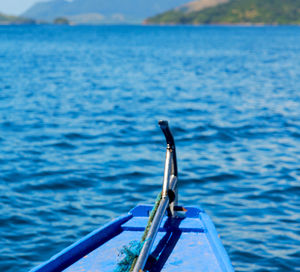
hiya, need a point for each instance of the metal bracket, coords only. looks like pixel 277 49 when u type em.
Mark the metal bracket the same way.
pixel 169 197
pixel 170 174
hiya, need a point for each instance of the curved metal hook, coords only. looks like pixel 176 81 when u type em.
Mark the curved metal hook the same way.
pixel 164 125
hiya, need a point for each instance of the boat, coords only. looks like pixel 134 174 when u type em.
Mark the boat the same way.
pixel 162 237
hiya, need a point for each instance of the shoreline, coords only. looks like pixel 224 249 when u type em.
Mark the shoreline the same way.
pixel 222 24
pixel 155 25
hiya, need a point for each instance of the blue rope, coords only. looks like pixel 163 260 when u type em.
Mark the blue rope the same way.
pixel 131 253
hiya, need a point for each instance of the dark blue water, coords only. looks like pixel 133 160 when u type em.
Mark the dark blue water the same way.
pixel 80 143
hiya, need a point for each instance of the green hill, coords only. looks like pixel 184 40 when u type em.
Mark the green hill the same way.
pixel 235 12
pixel 8 20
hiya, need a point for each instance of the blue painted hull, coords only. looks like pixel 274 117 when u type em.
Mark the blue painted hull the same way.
pixel 182 244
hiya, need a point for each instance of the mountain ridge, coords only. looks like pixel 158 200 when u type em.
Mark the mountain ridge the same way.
pixel 101 11
pixel 200 5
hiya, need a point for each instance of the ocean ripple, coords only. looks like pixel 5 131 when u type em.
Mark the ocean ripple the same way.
pixel 80 143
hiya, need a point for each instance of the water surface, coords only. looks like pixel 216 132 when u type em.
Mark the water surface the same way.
pixel 80 143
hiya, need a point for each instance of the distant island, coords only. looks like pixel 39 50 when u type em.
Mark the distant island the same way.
pixel 15 20
pixel 234 12
pixel 61 21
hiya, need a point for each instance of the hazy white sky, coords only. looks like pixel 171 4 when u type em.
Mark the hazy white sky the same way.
pixel 16 7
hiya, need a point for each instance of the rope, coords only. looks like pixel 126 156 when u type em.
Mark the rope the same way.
pixel 151 217
pixel 132 251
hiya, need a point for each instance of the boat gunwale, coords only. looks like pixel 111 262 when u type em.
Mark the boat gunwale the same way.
pixel 84 246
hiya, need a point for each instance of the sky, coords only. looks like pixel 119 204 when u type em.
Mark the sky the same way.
pixel 16 7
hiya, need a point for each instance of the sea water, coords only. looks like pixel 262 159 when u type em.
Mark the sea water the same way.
pixel 80 143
